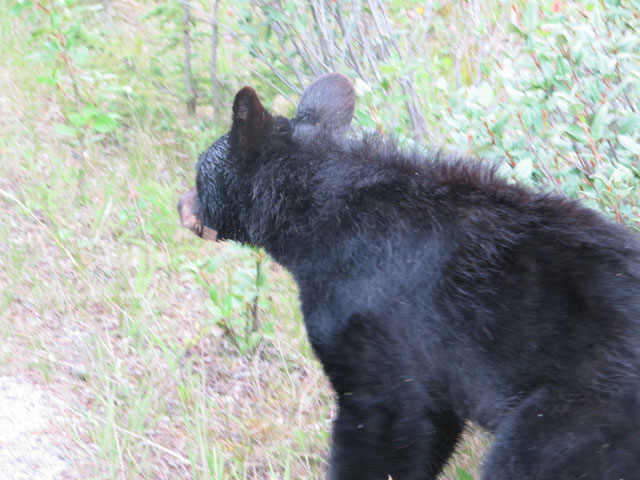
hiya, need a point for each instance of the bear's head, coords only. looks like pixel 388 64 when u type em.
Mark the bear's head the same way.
pixel 217 207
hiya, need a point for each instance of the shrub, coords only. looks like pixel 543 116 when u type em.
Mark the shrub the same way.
pixel 566 109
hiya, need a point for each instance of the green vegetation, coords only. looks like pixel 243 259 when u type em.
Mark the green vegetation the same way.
pixel 183 359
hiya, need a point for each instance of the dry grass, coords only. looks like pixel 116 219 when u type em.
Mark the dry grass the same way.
pixel 96 308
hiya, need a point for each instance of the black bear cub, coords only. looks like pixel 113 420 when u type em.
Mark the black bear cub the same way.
pixel 433 292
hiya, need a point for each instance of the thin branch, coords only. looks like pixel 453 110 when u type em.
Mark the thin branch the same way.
pixel 215 85
pixel 186 31
pixel 303 56
pixel 382 24
pixel 279 31
pixel 352 54
pixel 257 53
pixel 317 10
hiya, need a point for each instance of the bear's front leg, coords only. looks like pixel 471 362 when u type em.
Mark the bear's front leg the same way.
pixel 395 438
pixel 393 420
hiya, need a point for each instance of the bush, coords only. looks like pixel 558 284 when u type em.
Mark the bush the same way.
pixel 566 109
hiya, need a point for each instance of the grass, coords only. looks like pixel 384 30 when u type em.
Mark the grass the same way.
pixel 97 305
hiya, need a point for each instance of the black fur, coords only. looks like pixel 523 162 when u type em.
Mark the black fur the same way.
pixel 434 291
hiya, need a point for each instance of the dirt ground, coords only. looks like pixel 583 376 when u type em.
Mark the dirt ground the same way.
pixel 33 444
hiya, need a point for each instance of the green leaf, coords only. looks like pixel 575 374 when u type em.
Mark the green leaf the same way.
pixel 621 175
pixel 77 119
pixel 577 133
pixel 212 264
pixel 226 305
pixel 89 111
pixel 523 170
pixel 622 86
pixel 629 143
pixel 576 108
pixel 55 19
pixel 254 339
pixel 19 7
pixel 530 16
pixel 268 330
pixel 39 56
pixel 79 55
pixel 578 55
pixel 239 323
pixel 261 279
pixel 104 123
pixel 48 79
pixel 607 198
pixel 598 122
pixel 65 129
pixel 213 294
pixel 463 474
pixel 156 11
pixel 215 312
pixel 499 125
pixel 628 123
pixel 513 28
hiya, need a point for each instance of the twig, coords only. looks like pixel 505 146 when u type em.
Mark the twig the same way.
pixel 317 10
pixel 408 88
pixel 258 54
pixel 303 56
pixel 215 85
pixel 616 162
pixel 543 166
pixel 592 143
pixel 186 35
pixel 586 168
pixel 352 54
pixel 278 30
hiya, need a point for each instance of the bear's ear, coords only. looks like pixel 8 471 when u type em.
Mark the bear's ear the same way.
pixel 326 106
pixel 250 122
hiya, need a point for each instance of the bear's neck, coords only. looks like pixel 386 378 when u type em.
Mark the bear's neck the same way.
pixel 291 216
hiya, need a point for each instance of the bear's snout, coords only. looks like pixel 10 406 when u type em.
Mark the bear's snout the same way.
pixel 188 218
